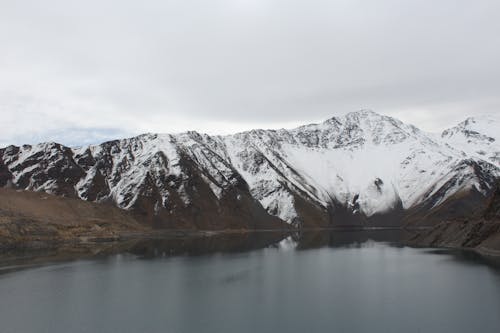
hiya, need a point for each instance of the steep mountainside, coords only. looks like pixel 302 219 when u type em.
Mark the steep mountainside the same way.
pixel 362 168
pixel 479 231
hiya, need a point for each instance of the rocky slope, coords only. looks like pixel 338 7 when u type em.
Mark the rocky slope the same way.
pixel 359 169
pixel 480 231
pixel 39 220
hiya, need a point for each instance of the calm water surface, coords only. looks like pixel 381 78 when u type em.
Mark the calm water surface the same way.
pixel 263 282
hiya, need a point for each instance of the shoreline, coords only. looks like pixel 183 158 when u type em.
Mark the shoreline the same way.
pixel 122 236
pixel 25 257
pixel 88 246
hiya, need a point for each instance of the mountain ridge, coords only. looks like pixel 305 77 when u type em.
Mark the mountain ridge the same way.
pixel 312 175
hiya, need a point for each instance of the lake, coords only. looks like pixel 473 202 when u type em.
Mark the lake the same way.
pixel 328 281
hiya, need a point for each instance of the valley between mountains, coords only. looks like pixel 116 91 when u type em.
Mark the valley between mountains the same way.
pixel 362 169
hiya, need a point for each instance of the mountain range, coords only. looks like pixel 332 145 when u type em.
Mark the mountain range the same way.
pixel 361 169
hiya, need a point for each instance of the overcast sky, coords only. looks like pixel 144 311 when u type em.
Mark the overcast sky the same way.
pixel 86 71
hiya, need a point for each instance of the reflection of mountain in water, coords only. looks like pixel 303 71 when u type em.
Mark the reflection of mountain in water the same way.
pixel 225 243
pixel 198 245
pixel 345 238
pixel 171 245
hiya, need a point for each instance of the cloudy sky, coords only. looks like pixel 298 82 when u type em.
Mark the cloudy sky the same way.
pixel 86 71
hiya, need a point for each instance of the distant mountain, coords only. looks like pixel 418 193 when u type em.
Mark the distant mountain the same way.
pixel 360 169
pixel 476 137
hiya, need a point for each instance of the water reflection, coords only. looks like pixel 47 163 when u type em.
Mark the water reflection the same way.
pixel 243 242
pixel 313 239
pixel 468 257
pixel 169 244
pixel 177 244
pixel 196 246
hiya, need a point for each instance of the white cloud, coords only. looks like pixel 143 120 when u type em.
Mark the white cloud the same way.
pixel 225 65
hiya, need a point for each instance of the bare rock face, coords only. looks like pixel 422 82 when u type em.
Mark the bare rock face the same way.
pixel 5 175
pixel 359 169
pixel 493 210
pixel 479 230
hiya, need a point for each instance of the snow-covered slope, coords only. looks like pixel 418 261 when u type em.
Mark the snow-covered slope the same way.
pixel 361 165
pixel 478 137
pixel 364 161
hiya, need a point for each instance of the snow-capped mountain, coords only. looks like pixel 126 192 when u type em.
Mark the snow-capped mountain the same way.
pixel 476 137
pixel 360 168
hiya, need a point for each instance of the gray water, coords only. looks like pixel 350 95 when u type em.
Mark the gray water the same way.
pixel 315 282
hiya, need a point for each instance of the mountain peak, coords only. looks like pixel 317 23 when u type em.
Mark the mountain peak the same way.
pixel 363 113
pixel 352 116
pixel 479 126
